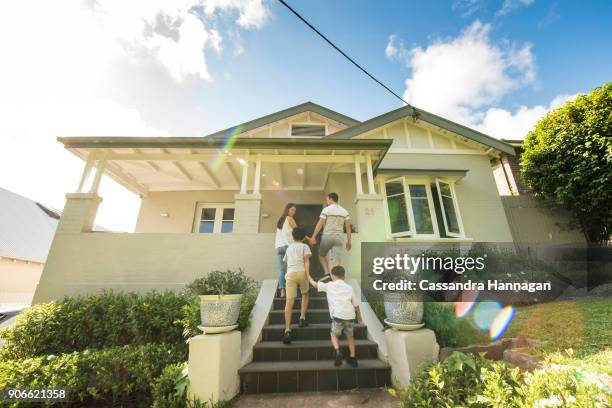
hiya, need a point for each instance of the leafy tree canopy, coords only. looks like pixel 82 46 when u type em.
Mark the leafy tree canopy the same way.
pixel 568 161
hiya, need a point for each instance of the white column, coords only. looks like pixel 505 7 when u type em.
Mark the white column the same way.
pixel 85 175
pixel 99 171
pixel 245 177
pixel 370 173
pixel 257 181
pixel 358 176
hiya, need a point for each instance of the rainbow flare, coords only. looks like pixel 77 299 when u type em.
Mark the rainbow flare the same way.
pixel 501 322
pixel 228 143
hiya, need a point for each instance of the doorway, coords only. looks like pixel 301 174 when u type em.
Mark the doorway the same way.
pixel 306 217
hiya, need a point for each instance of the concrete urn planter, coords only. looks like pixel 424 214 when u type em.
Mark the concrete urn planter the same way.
pixel 219 313
pixel 403 311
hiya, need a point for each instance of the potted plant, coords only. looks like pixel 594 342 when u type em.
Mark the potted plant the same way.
pixel 220 293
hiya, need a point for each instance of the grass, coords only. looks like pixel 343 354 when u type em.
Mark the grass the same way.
pixel 585 326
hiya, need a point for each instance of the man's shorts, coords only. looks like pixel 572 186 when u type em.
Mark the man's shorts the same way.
pixel 293 280
pixel 339 326
pixel 333 244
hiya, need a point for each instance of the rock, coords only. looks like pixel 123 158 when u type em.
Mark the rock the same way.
pixel 525 362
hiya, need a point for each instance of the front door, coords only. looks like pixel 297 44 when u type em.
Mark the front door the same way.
pixel 306 217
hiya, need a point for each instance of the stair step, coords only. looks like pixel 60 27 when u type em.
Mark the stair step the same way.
pixel 304 350
pixel 315 303
pixel 314 331
pixel 301 376
pixel 312 316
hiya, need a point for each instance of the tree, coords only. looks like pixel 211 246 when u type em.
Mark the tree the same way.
pixel 568 161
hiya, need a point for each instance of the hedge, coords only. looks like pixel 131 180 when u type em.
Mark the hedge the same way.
pixel 96 321
pixel 109 377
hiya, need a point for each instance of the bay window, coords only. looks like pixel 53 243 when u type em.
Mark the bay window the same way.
pixel 411 211
pixel 409 208
pixel 450 210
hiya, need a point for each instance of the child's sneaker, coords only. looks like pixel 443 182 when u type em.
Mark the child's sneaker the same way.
pixel 303 323
pixel 287 337
pixel 338 359
pixel 352 361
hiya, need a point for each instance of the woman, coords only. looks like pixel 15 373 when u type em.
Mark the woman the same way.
pixel 284 226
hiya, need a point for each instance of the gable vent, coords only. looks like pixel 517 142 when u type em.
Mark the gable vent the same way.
pixel 307 130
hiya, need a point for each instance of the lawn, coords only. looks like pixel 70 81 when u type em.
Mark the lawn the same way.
pixel 585 326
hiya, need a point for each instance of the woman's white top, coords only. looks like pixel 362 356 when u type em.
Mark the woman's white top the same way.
pixel 283 236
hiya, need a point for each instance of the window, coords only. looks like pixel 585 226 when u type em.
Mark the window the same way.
pixel 397 208
pixel 308 130
pixel 450 209
pixel 410 208
pixel 214 218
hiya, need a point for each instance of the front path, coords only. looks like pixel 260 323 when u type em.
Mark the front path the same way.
pixel 373 397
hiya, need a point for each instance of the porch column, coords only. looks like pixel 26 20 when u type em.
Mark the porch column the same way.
pixel 358 176
pixel 79 213
pixel 370 174
pixel 81 208
pixel 257 181
pixel 245 177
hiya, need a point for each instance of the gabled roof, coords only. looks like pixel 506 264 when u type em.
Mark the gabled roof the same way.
pixel 286 113
pixel 26 227
pixel 410 111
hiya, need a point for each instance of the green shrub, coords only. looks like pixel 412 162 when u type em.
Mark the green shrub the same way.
pixel 108 377
pixel 169 389
pixel 223 283
pixel 94 322
pixel 472 380
pixel 463 380
pixel 450 330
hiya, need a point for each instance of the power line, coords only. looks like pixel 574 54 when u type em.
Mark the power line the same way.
pixel 342 52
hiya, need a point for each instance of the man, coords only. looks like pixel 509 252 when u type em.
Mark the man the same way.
pixel 334 220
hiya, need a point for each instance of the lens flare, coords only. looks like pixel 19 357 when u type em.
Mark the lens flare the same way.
pixel 466 303
pixel 225 150
pixel 501 322
pixel 485 313
pixel 241 161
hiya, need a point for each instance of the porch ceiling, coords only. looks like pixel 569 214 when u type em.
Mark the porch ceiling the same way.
pixel 145 165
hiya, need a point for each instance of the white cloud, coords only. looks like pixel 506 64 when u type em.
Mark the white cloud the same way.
pixel 463 78
pixel 509 5
pixel 504 124
pixel 251 13
pixel 395 49
pixel 456 76
pixel 59 60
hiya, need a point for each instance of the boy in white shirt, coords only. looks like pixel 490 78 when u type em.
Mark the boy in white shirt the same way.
pixel 297 261
pixel 343 309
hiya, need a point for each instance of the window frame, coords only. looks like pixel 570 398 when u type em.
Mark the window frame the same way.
pixel 406 183
pixel 451 185
pixel 218 221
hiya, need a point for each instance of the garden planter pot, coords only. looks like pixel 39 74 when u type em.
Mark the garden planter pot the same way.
pixel 403 309
pixel 219 311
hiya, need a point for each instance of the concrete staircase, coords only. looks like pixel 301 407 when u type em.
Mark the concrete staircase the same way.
pixel 307 363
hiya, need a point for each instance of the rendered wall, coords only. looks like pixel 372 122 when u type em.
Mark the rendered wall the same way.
pixel 181 206
pixel 89 262
pixel 18 280
pixel 531 222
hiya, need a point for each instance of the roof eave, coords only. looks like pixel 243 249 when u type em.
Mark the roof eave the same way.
pixel 81 142
pixel 409 111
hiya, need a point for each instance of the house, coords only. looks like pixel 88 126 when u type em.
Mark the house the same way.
pixel 212 202
pixel 26 232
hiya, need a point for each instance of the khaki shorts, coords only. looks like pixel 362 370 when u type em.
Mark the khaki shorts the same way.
pixel 293 280
pixel 332 244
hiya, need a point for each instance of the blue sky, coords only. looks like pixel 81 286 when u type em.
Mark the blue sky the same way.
pixel 191 67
